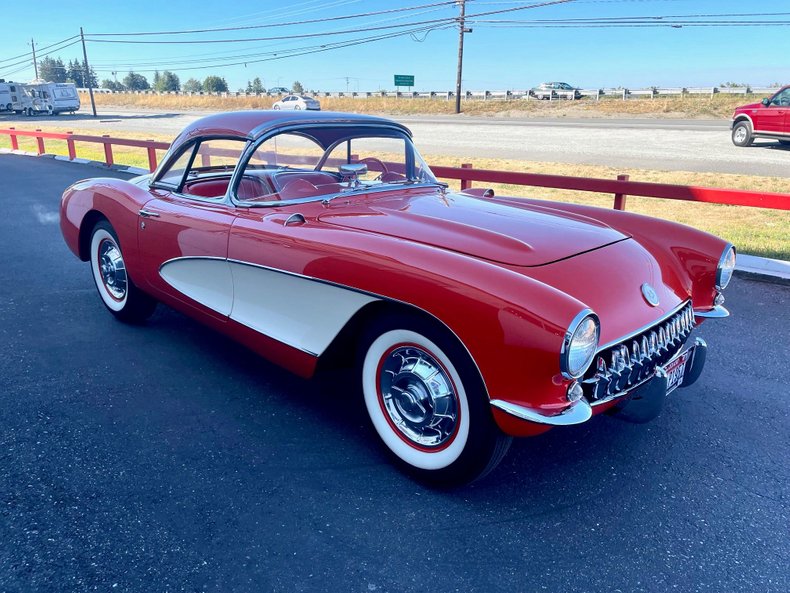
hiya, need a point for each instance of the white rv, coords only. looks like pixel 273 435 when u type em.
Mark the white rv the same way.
pixel 12 95
pixel 50 98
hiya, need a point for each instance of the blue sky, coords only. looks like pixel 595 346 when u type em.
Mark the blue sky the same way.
pixel 496 57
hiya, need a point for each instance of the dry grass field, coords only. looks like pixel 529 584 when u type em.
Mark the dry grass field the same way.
pixel 695 106
pixel 755 231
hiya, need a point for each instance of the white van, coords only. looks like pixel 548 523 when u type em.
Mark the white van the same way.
pixel 51 98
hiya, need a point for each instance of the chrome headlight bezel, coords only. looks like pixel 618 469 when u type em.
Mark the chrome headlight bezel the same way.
pixel 725 267
pixel 573 333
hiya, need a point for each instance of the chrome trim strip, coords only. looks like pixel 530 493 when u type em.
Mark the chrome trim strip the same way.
pixel 566 342
pixel 642 329
pixel 717 312
pixel 576 413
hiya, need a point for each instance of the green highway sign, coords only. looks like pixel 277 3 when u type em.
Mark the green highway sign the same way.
pixel 404 80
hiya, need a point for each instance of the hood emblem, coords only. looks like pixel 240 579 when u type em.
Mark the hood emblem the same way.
pixel 650 295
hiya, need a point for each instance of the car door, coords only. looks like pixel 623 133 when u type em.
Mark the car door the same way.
pixel 772 118
pixel 187 222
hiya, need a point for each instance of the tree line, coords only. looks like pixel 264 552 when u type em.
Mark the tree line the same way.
pixel 54 70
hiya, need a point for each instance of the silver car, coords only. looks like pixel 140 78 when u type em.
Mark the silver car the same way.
pixel 297 102
pixel 552 90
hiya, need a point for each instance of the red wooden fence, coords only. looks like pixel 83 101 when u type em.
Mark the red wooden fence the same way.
pixel 620 187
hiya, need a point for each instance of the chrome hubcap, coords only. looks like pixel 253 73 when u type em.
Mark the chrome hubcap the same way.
pixel 112 269
pixel 740 134
pixel 418 396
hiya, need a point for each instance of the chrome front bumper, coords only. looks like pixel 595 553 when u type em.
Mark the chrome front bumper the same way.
pixel 641 403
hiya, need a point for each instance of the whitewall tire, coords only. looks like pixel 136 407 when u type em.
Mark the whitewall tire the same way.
pixel 427 403
pixel 116 289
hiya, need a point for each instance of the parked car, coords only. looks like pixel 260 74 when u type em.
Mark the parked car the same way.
pixel 552 90
pixel 323 240
pixel 279 90
pixel 767 119
pixel 297 102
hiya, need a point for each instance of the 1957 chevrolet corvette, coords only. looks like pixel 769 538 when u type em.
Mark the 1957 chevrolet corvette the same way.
pixel 324 238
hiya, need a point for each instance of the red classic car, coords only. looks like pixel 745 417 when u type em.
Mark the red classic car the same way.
pixel 324 238
pixel 768 119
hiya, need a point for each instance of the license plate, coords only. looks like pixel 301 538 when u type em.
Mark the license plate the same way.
pixel 675 371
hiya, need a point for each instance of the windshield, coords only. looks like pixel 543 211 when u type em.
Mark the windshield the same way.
pixel 306 164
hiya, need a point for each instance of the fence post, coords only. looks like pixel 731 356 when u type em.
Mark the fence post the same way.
pixel 619 199
pixel 14 141
pixel 40 142
pixel 72 149
pixel 465 183
pixel 107 152
pixel 151 158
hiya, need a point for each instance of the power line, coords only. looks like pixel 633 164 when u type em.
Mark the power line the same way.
pixel 221 55
pixel 308 50
pixel 40 55
pixel 30 53
pixel 327 33
pixel 271 25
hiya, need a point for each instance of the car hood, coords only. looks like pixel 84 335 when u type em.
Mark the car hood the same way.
pixel 512 235
pixel 749 106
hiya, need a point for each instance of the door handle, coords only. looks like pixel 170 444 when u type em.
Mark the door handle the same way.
pixel 148 214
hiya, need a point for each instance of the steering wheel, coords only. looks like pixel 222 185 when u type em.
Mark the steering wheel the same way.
pixel 373 160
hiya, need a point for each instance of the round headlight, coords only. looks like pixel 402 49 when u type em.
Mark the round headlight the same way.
pixel 726 267
pixel 580 344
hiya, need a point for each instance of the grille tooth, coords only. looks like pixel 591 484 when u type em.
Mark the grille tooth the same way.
pixel 635 359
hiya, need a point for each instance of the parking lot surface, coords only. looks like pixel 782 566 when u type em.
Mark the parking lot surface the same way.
pixel 167 458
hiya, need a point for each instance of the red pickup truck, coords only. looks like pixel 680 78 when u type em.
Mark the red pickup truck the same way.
pixel 768 119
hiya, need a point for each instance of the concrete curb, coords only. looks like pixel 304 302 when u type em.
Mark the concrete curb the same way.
pixel 761 268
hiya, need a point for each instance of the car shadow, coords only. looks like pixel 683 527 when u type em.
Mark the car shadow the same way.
pixel 565 466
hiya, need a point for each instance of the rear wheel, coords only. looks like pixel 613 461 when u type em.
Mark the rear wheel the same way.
pixel 742 134
pixel 116 289
pixel 784 142
pixel 428 403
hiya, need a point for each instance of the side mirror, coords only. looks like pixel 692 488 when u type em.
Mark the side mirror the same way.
pixel 353 169
pixel 766 101
pixel 351 172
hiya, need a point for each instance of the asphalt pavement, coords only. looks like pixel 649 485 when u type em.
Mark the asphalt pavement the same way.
pixel 626 144
pixel 168 458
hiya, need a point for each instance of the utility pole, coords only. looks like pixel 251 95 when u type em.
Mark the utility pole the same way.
pixel 35 64
pixel 87 77
pixel 461 31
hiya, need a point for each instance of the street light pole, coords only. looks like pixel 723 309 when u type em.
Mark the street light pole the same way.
pixel 461 31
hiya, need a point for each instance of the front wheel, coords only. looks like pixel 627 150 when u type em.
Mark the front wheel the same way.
pixel 116 289
pixel 742 134
pixel 428 404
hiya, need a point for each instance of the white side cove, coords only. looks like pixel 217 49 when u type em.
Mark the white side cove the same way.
pixel 208 281
pixel 299 311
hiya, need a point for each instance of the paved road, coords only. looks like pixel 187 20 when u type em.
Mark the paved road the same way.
pixel 166 458
pixel 664 144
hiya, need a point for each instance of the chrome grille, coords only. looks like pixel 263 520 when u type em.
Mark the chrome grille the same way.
pixel 624 365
